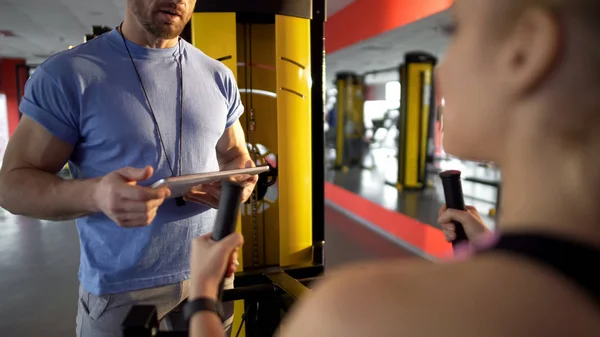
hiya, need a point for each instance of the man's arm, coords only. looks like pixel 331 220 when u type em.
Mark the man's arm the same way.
pixel 28 182
pixel 231 148
pixel 232 153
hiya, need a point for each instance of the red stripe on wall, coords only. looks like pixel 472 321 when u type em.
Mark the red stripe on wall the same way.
pixel 8 85
pixel 422 236
pixel 364 19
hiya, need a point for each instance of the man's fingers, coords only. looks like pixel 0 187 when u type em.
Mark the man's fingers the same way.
pixel 253 179
pixel 136 218
pixel 247 193
pixel 213 191
pixel 139 206
pixel 205 201
pixel 245 179
pixel 132 224
pixel 242 178
pixel 139 193
pixel 202 198
pixel 136 174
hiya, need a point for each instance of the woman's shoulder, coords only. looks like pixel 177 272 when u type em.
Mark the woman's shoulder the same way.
pixel 492 295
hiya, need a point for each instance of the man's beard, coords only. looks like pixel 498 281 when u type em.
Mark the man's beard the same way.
pixel 153 25
pixel 163 31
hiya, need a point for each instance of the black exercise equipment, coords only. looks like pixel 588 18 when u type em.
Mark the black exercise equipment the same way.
pixel 268 294
pixel 97 31
pixel 142 320
pixel 229 209
pixel 454 200
pixel 265 180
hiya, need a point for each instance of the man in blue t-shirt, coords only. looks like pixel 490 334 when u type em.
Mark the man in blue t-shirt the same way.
pixel 126 109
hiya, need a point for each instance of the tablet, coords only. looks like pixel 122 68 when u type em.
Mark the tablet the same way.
pixel 181 185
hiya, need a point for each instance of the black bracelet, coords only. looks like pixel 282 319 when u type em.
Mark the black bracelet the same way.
pixel 200 304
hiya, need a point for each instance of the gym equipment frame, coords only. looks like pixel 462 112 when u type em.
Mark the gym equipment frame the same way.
pixel 284 113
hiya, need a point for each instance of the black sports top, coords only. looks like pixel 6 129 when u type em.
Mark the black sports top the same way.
pixel 576 261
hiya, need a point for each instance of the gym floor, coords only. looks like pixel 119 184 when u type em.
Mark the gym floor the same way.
pixel 39 259
pixel 375 182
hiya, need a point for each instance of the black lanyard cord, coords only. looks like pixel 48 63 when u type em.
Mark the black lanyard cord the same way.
pixel 180 66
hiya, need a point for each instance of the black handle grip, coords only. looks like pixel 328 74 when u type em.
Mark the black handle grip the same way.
pixel 229 208
pixel 227 215
pixel 454 199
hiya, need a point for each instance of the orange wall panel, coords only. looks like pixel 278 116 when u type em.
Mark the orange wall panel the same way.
pixel 364 19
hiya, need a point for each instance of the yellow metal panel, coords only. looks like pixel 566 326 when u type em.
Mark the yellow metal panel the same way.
pixel 411 203
pixel 417 120
pixel 238 228
pixel 427 71
pixel 359 106
pixel 294 127
pixel 413 113
pixel 402 127
pixel 238 312
pixel 257 81
pixel 215 35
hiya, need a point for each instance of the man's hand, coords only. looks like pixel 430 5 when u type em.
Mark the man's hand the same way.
pixel 121 199
pixel 210 261
pixel 210 194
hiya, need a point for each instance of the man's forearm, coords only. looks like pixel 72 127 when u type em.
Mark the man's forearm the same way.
pixel 239 160
pixel 43 195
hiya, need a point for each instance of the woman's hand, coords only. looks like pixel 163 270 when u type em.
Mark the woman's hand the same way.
pixel 210 262
pixel 470 219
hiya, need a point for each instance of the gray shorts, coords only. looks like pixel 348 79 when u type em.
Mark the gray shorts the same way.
pixel 101 316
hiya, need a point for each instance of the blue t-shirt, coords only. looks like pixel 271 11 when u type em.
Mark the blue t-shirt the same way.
pixel 90 96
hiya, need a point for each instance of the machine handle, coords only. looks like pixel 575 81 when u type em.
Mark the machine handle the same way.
pixel 227 215
pixel 454 199
pixel 229 208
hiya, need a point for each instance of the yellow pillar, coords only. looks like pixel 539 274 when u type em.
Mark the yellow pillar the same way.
pixel 340 119
pixel 415 119
pixel 294 141
pixel 215 35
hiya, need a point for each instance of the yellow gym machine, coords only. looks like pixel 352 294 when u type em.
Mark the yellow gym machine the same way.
pixel 350 126
pixel 276 51
pixel 417 120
